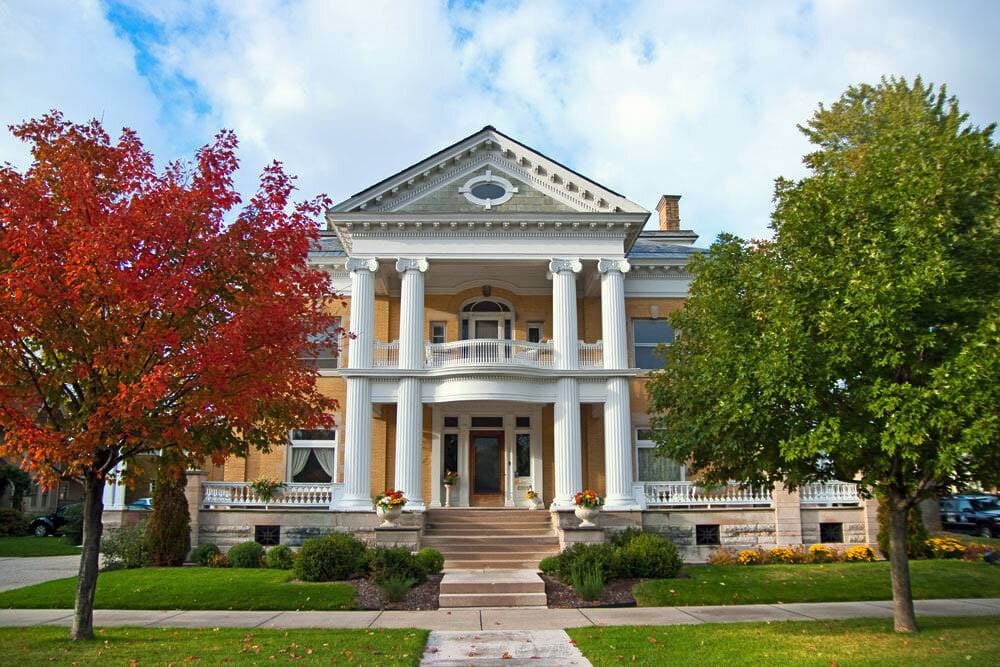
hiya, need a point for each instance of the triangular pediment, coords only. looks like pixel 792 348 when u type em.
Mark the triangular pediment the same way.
pixel 534 183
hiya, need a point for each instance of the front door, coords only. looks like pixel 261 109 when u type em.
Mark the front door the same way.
pixel 486 463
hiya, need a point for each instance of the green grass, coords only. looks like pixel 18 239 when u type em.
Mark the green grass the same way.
pixel 943 641
pixel 145 646
pixel 832 582
pixel 188 588
pixel 971 539
pixel 20 547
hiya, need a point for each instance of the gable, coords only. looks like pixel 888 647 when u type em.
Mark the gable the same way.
pixel 432 185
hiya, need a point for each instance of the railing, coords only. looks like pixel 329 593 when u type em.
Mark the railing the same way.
pixel 692 494
pixel 385 355
pixel 240 494
pixel 591 355
pixel 489 352
pixel 829 493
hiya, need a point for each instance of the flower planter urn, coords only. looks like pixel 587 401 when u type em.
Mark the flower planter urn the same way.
pixel 447 495
pixel 534 503
pixel 389 515
pixel 586 515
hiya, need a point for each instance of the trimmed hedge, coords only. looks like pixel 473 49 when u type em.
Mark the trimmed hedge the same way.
pixel 631 554
pixel 386 563
pixel 280 557
pixel 246 555
pixel 203 553
pixel 431 560
pixel 13 523
pixel 649 556
pixel 332 558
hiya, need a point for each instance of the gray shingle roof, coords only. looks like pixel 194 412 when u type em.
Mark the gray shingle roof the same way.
pixel 661 245
pixel 329 246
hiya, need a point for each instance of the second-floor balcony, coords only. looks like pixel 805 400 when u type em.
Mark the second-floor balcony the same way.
pixel 481 352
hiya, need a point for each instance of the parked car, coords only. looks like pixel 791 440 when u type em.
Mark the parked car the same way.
pixel 50 524
pixel 140 504
pixel 978 514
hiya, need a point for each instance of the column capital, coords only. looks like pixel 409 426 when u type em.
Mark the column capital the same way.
pixel 560 264
pixel 608 265
pixel 361 264
pixel 404 264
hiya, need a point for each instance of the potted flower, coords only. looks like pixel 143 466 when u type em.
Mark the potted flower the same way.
pixel 265 490
pixel 588 506
pixel 534 501
pixel 389 506
pixel 450 480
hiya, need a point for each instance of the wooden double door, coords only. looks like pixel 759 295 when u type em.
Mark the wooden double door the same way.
pixel 486 465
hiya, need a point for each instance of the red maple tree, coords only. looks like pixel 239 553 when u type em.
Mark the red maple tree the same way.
pixel 135 317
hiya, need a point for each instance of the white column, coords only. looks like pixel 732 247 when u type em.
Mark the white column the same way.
pixel 568 463
pixel 409 407
pixel 358 410
pixel 114 490
pixel 617 410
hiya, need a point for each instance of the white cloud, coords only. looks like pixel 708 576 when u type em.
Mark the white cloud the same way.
pixel 695 99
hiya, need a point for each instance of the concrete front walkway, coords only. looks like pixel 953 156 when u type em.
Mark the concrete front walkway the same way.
pixel 17 572
pixel 502 619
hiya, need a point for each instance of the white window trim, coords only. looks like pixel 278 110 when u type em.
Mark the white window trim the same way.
pixel 313 444
pixel 650 444
pixel 535 325
pixel 444 330
pixel 636 344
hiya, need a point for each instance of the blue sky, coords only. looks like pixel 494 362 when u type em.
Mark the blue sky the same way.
pixel 699 99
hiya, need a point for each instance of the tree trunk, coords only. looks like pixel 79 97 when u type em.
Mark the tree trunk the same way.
pixel 902 595
pixel 93 508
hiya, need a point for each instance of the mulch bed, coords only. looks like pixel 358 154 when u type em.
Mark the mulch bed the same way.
pixel 617 593
pixel 422 597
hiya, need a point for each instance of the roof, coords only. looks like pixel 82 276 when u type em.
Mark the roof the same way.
pixel 329 246
pixel 664 245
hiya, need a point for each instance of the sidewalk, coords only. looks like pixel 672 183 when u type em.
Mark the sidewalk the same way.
pixel 501 619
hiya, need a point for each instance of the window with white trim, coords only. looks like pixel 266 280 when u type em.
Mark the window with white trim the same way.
pixel 647 335
pixel 329 355
pixel 312 456
pixel 438 334
pixel 535 332
pixel 650 466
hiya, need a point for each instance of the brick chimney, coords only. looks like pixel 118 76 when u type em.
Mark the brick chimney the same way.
pixel 670 212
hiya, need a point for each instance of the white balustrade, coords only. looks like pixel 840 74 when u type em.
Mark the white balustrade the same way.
pixel 489 352
pixel 829 493
pixel 591 354
pixel 241 494
pixel 692 494
pixel 385 355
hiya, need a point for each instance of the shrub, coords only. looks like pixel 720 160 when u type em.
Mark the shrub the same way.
pixel 72 530
pixel 976 551
pixel 602 556
pixel 13 523
pixel 781 555
pixel 916 532
pixel 394 562
pixel 280 557
pixel 722 556
pixel 396 587
pixel 751 557
pixel 168 535
pixel 820 553
pixel 588 581
pixel 623 537
pixel 549 565
pixel 430 560
pixel 218 560
pixel 861 553
pixel 202 554
pixel 331 558
pixel 649 556
pixel 945 547
pixel 125 547
pixel 246 555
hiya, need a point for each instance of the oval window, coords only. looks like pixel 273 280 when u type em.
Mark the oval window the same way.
pixel 488 191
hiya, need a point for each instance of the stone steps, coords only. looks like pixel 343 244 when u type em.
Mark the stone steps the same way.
pixel 492 588
pixel 494 564
pixel 452 542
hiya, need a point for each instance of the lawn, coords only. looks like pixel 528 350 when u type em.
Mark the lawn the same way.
pixel 971 539
pixel 188 588
pixel 145 646
pixel 832 582
pixel 36 546
pixel 943 641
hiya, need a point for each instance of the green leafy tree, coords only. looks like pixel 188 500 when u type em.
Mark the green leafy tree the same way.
pixel 168 533
pixel 863 341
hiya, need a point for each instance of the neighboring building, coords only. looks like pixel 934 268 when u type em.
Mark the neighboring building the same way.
pixel 507 311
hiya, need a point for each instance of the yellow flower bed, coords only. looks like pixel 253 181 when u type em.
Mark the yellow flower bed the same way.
pixel 750 557
pixel 945 547
pixel 859 554
pixel 820 553
pixel 784 555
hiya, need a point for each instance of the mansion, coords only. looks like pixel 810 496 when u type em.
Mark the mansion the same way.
pixel 504 314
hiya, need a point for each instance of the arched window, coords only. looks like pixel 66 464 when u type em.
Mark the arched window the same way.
pixel 487 318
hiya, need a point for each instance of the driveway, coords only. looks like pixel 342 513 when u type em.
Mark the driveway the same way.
pixel 17 572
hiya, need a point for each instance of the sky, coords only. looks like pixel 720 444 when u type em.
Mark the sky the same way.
pixel 699 99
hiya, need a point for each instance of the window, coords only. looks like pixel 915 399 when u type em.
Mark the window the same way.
pixel 328 355
pixel 438 332
pixel 646 336
pixel 312 456
pixel 488 190
pixel 267 536
pixel 831 532
pixel 706 534
pixel 449 462
pixel 451 422
pixel 535 330
pixel 523 455
pixel 651 467
pixel 523 422
pixel 487 422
